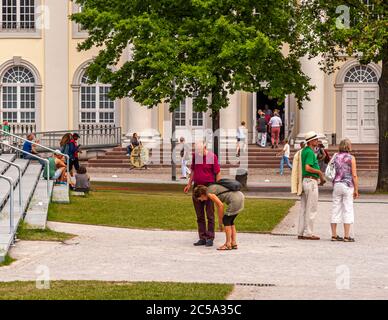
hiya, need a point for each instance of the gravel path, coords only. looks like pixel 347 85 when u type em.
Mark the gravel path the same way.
pixel 297 269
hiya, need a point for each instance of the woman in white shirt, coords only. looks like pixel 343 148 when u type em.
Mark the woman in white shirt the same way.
pixel 275 123
pixel 241 138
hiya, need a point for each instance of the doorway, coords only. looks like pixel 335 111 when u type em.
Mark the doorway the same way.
pixel 189 123
pixel 268 105
pixel 360 123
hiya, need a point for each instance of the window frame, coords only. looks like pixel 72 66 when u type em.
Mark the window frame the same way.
pixel 6 33
pixel 77 31
pixel 19 110
pixel 97 109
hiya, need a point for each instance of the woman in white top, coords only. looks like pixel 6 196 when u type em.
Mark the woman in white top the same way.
pixel 241 138
pixel 185 153
pixel 275 123
pixel 285 157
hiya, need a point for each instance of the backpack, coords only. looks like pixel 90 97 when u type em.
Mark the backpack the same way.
pixel 230 184
pixel 330 171
pixel 65 149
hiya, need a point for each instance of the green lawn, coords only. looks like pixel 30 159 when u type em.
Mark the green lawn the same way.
pixel 24 233
pixel 7 261
pixel 158 207
pixel 97 290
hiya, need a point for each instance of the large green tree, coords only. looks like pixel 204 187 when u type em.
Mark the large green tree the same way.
pixel 338 29
pixel 205 49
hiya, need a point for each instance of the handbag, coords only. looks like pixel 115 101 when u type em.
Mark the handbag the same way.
pixel 330 171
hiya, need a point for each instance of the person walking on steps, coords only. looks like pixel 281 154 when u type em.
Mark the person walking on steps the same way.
pixel 285 154
pixel 241 139
pixel 262 131
pixel 275 124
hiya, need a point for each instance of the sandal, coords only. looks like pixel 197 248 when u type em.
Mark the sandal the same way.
pixel 234 246
pixel 350 239
pixel 224 248
pixel 337 238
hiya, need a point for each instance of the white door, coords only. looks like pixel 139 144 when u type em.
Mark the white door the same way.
pixel 189 124
pixel 360 114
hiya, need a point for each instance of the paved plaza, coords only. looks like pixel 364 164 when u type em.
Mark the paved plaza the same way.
pixel 295 269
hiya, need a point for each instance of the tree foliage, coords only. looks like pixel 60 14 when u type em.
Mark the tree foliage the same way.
pixel 204 49
pixel 338 29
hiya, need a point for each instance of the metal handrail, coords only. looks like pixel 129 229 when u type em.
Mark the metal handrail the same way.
pixel 90 137
pixel 11 213
pixel 6 133
pixel 37 157
pixel 20 181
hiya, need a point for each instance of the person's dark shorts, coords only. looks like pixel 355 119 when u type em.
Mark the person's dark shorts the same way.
pixel 238 139
pixel 228 221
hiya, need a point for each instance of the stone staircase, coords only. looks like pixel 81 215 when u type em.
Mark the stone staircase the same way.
pixel 366 156
pixel 36 196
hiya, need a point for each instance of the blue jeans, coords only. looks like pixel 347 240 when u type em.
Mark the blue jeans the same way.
pixel 285 160
pixel 30 157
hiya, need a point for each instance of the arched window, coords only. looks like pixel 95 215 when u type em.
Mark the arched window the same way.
pixel 361 74
pixel 18 96
pixel 95 105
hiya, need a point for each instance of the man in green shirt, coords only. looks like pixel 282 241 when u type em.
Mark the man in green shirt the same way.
pixel 311 174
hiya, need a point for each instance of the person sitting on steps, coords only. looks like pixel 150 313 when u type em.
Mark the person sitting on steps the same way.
pixel 134 142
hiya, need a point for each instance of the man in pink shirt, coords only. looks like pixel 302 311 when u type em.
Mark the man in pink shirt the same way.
pixel 205 170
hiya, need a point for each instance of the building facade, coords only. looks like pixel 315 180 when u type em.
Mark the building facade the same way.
pixel 44 88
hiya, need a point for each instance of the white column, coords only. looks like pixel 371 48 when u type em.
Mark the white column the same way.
pixel 56 79
pixel 140 121
pixel 312 114
pixel 230 116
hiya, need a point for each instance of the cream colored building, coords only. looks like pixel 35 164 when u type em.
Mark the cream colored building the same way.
pixel 43 87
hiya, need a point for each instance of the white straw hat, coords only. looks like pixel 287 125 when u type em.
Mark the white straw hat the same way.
pixel 312 135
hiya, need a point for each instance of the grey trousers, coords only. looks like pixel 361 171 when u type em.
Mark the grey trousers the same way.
pixel 308 207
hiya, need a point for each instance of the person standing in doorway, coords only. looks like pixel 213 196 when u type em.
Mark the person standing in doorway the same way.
pixel 275 124
pixel 205 170
pixel 241 138
pixel 267 113
pixel 185 158
pixel 285 154
pixel 312 177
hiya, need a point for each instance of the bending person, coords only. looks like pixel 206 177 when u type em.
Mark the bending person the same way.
pixel 235 204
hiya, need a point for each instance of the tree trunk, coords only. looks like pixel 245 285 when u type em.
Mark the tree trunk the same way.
pixel 173 146
pixel 216 132
pixel 382 181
